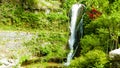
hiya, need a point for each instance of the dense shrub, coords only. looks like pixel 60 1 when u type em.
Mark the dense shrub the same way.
pixel 68 3
pixel 92 59
pixel 89 42
pixel 58 16
pixel 16 14
pixel 11 14
pixel 49 45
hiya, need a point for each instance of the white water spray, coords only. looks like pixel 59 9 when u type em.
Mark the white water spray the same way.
pixel 76 24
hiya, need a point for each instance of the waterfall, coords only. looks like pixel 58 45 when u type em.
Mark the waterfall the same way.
pixel 76 29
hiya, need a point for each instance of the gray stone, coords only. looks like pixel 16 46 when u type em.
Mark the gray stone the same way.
pixel 11 48
pixel 115 54
pixel 115 58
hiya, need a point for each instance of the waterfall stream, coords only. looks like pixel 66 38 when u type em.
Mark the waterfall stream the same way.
pixel 76 30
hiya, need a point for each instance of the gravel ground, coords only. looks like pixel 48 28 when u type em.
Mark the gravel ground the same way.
pixel 11 47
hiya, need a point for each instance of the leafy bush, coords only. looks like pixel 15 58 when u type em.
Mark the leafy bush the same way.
pixel 49 45
pixel 68 3
pixel 23 59
pixel 58 16
pixel 15 14
pixel 106 29
pixel 92 59
pixel 11 14
pixel 89 42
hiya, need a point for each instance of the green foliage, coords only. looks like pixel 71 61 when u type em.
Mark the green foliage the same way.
pixel 55 21
pixel 31 3
pixel 100 5
pixel 89 42
pixel 30 19
pixel 114 6
pixel 106 27
pixel 15 15
pixel 6 12
pixel 49 45
pixel 23 59
pixel 92 59
pixel 58 16
pixel 68 3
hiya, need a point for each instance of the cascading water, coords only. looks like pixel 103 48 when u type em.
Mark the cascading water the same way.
pixel 76 29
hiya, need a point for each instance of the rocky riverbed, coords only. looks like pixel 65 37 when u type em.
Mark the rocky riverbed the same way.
pixel 11 48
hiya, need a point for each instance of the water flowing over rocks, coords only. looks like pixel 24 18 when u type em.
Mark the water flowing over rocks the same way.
pixel 11 47
pixel 76 30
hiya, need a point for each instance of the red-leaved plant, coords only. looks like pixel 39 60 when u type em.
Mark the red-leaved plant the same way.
pixel 93 13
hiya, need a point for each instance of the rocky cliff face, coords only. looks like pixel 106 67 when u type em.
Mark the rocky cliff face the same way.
pixel 36 4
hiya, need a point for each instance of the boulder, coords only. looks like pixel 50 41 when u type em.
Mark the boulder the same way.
pixel 115 54
pixel 115 58
pixel 41 4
